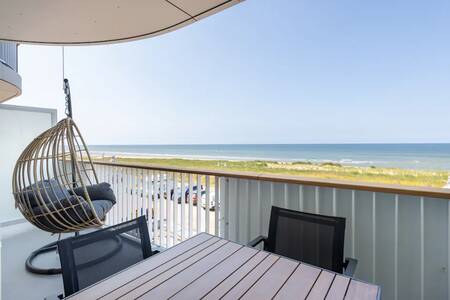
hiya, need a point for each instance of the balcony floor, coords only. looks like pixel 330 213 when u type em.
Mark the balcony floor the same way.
pixel 17 242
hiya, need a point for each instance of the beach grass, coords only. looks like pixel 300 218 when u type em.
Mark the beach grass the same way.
pixel 423 178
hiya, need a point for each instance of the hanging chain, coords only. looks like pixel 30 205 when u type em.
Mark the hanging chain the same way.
pixel 66 89
pixel 68 110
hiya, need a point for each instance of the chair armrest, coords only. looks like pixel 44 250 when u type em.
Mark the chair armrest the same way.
pixel 256 241
pixel 350 266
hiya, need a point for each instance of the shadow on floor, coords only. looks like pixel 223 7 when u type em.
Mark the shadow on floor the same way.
pixel 17 242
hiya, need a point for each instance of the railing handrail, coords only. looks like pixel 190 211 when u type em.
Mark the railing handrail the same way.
pixel 331 183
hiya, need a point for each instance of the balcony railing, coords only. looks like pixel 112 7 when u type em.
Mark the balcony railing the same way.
pixel 400 235
pixel 174 212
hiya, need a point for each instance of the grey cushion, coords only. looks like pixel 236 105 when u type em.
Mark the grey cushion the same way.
pixel 101 191
pixel 79 213
pixel 102 207
pixel 50 192
pixel 75 214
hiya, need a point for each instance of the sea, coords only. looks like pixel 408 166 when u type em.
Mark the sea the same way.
pixel 407 156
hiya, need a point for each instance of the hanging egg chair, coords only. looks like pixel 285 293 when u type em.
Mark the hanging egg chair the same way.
pixel 52 180
pixel 56 187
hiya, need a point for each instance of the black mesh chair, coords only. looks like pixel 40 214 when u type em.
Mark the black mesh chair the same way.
pixel 89 258
pixel 314 239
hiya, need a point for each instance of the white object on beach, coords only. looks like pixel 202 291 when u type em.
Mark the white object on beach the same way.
pixel 447 186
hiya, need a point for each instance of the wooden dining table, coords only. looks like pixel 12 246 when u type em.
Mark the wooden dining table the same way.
pixel 209 267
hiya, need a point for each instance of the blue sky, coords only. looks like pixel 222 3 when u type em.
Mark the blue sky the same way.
pixel 263 71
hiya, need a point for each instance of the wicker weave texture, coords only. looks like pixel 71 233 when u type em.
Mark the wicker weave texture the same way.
pixel 60 156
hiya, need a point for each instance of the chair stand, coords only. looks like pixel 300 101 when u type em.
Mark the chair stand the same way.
pixel 54 247
pixel 47 248
pixel 42 271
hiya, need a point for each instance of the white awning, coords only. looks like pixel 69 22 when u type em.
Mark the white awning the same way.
pixel 99 21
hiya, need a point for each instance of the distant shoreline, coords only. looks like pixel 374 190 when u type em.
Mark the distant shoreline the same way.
pixel 406 156
pixel 325 170
pixel 181 156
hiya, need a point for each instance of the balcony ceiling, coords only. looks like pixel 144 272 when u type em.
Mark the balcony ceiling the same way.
pixel 100 21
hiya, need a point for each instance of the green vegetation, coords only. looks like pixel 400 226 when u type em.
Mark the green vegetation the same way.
pixel 307 169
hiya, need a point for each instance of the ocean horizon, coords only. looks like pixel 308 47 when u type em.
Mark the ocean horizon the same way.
pixel 420 156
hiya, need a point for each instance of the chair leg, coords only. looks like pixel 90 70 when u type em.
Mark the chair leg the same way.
pixel 43 271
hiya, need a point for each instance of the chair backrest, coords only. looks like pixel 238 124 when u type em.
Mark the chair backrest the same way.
pixel 89 258
pixel 310 238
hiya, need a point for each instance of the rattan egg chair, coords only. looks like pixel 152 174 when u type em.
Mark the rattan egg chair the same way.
pixel 55 185
pixel 48 176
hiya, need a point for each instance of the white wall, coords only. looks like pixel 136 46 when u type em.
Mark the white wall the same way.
pixel 18 127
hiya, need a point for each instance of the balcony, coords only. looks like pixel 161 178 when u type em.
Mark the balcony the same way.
pixel 399 235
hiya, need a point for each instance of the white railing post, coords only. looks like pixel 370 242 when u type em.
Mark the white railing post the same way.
pixel 116 192
pixel 226 208
pixel 155 205
pixel 132 191
pixel 183 208
pixel 175 208
pixel 199 204
pixel 162 206
pixel 142 192
pixel 191 209
pixel 158 199
pixel 122 195
pixel 150 206
pixel 217 206
pixel 207 207
pixel 168 214
pixel 127 191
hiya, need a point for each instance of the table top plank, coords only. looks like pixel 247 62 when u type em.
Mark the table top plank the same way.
pixel 171 286
pixel 197 251
pixel 361 291
pixel 300 282
pixel 210 267
pixel 202 285
pixel 102 287
pixel 270 283
pixel 338 288
pixel 247 282
pixel 321 286
pixel 236 277
pixel 158 280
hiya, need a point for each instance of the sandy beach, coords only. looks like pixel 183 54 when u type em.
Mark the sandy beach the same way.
pixel 326 170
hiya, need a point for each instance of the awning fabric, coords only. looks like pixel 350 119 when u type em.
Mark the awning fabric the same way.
pixel 64 22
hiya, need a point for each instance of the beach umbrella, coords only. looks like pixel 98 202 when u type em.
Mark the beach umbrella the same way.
pixel 100 21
